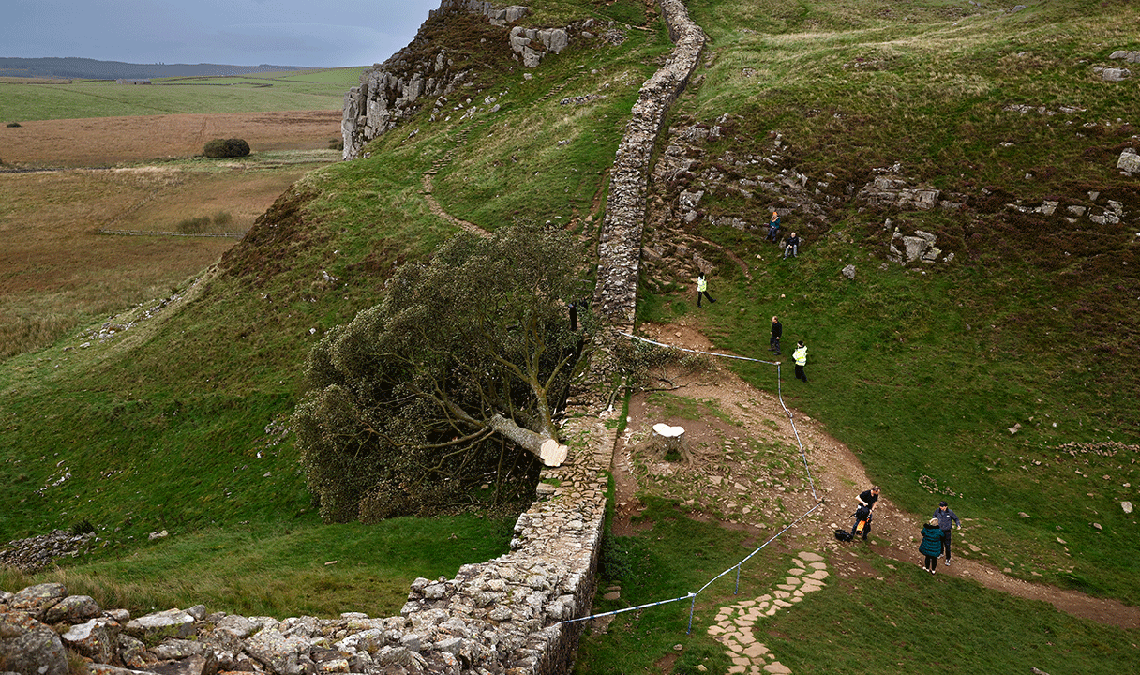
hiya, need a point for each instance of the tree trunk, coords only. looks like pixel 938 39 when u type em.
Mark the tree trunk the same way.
pixel 531 440
pixel 543 446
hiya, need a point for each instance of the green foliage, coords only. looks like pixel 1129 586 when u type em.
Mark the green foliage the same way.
pixel 82 527
pixel 416 390
pixel 225 147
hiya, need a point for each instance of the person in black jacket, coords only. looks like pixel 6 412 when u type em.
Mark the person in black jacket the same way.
pixel 869 497
pixel 777 332
pixel 867 500
pixel 792 246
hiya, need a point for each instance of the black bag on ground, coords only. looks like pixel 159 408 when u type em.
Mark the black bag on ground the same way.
pixel 843 535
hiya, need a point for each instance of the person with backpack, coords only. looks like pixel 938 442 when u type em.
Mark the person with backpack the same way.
pixel 862 524
pixel 931 546
pixel 946 520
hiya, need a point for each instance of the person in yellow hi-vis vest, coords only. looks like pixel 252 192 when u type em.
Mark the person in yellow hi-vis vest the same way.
pixel 800 355
pixel 703 288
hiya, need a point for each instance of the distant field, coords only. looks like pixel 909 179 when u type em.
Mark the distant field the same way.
pixel 102 141
pixel 138 172
pixel 25 100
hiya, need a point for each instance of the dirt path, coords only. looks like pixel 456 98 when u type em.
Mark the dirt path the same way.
pixel 437 209
pixel 731 471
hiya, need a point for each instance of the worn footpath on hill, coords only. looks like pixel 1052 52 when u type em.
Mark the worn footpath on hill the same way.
pixel 720 473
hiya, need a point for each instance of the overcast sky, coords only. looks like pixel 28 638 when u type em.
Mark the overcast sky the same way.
pixel 316 33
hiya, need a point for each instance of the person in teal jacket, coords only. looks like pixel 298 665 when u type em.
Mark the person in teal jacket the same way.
pixel 931 545
pixel 800 355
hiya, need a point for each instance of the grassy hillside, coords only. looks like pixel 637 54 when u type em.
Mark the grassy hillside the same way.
pixel 176 424
pixel 176 420
pixel 923 370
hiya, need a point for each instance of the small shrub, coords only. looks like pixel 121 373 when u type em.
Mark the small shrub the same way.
pixel 82 527
pixel 223 219
pixel 231 147
pixel 193 225
pixel 616 560
pixel 336 144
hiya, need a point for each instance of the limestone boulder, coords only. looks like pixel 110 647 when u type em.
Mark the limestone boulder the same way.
pixel 72 609
pixel 35 600
pixel 37 651
pixel 1129 161
pixel 174 621
pixel 96 639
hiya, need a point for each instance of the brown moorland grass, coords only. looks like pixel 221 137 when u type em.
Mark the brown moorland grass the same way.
pixel 102 141
pixel 56 269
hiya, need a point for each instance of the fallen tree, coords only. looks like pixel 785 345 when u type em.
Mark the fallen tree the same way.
pixel 462 364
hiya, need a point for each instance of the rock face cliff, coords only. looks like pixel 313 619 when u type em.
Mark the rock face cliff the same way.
pixel 425 70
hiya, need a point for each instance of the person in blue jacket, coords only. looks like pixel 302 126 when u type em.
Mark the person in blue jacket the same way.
pixel 931 546
pixel 946 520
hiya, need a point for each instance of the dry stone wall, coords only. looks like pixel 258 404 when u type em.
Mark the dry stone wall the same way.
pixel 619 247
pixel 501 616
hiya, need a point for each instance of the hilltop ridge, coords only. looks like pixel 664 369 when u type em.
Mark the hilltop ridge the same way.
pixel 73 67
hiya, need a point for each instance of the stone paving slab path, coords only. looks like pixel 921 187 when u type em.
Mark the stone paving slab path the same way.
pixel 734 624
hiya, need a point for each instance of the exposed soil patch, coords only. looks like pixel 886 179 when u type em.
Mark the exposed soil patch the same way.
pixel 100 141
pixel 741 465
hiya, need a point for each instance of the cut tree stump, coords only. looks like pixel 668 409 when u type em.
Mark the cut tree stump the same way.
pixel 668 438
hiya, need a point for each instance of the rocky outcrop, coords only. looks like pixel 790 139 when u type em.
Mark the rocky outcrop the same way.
pixel 532 43
pixel 500 16
pixel 388 94
pixel 392 92
pixel 33 553
pixel 918 247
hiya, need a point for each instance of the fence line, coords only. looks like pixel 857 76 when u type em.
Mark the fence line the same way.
pixel 803 457
pixel 143 233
